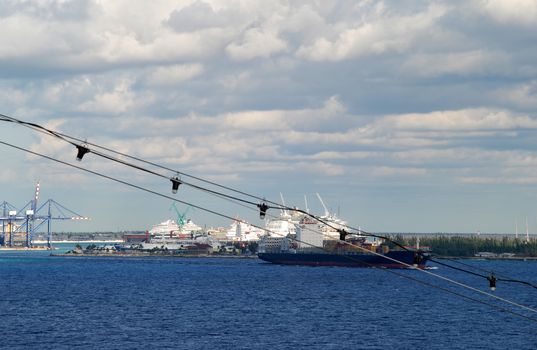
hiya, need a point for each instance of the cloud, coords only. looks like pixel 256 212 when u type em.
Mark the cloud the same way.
pixel 513 12
pixel 499 180
pixel 374 35
pixel 392 171
pixel 120 99
pixel 49 145
pixel 522 95
pixel 460 63
pixel 198 16
pixel 12 95
pixel 305 21
pixel 175 74
pixel 255 120
pixel 320 167
pixel 25 36
pixel 300 119
pixel 117 38
pixel 58 10
pixel 467 119
pixel 256 43
pixel 7 176
pixel 335 155
pixel 377 94
pixel 403 145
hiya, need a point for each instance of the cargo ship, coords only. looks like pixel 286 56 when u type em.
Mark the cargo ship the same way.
pixel 309 247
pixel 401 259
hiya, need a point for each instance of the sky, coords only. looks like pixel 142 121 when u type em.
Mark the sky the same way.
pixel 405 116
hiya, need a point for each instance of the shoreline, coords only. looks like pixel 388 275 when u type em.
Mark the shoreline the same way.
pixel 487 258
pixel 40 248
pixel 144 255
pixel 75 242
pixel 253 256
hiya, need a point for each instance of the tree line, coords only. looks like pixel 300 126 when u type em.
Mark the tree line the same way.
pixel 470 246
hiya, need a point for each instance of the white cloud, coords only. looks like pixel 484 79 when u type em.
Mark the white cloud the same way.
pixel 157 147
pixel 197 16
pixel 116 101
pixel 393 171
pixel 120 99
pixel 125 34
pixel 334 155
pixel 320 167
pixel 11 95
pixel 235 81
pixel 255 120
pixel 75 89
pixel 335 92
pixel 466 119
pixel 304 21
pixel 47 144
pixel 522 95
pixel 460 63
pixel 25 36
pixel 300 119
pixel 172 75
pixel 522 159
pixel 256 43
pixel 514 12
pixel 374 35
pixel 478 180
pixel 118 47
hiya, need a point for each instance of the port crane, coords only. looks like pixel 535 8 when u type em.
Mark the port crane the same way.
pixel 30 218
pixel 181 218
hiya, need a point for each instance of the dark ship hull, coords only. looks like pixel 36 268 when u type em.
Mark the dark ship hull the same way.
pixel 401 259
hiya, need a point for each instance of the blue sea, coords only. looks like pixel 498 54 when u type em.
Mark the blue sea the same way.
pixel 214 303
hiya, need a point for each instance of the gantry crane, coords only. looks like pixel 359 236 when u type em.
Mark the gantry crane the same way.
pixel 30 218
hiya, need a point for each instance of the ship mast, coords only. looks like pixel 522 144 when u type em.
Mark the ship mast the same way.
pixel 527 233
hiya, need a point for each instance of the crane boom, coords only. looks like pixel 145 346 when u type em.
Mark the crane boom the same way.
pixel 283 203
pixel 326 212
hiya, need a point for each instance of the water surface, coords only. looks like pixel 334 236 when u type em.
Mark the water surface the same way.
pixel 188 303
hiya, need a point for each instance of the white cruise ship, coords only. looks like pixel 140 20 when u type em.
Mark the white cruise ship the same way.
pixel 281 226
pixel 170 228
pixel 241 231
pixel 169 235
